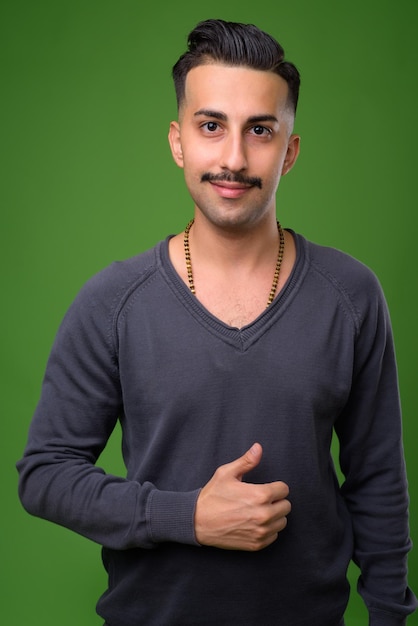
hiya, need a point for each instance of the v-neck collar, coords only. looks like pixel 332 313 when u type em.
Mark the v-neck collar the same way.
pixel 241 338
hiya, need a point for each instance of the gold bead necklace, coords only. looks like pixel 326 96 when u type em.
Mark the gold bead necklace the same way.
pixel 276 271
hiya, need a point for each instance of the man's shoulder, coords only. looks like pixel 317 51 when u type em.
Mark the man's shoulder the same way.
pixel 114 283
pixel 131 268
pixel 354 283
pixel 339 266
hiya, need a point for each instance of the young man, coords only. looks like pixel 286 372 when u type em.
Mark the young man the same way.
pixel 229 353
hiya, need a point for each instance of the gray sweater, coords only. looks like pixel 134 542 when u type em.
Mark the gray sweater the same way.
pixel 193 393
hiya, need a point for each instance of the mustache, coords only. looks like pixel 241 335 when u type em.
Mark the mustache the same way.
pixel 229 177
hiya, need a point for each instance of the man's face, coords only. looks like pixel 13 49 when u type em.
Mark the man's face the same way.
pixel 234 141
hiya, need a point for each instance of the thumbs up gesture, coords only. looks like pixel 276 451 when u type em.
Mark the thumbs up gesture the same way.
pixel 236 515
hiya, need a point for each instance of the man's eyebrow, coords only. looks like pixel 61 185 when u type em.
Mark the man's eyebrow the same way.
pixel 210 113
pixel 253 119
pixel 257 119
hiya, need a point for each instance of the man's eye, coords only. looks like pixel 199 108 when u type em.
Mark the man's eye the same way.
pixel 261 130
pixel 211 126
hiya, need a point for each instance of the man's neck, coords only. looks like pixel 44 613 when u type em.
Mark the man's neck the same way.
pixel 233 270
pixel 230 248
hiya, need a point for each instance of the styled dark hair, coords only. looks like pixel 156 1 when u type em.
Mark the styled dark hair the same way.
pixel 235 44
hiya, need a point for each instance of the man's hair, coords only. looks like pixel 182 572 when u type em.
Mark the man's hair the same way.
pixel 234 44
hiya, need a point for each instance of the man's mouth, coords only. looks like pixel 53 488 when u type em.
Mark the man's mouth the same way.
pixel 230 190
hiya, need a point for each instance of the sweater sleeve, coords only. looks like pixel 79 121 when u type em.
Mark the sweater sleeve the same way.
pixel 372 461
pixel 80 402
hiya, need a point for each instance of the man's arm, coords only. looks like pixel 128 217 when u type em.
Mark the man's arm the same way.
pixel 81 400
pixel 372 461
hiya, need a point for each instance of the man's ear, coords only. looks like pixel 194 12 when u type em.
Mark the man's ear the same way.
pixel 292 153
pixel 175 143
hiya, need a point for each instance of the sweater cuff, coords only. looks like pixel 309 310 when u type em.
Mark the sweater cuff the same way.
pixel 170 516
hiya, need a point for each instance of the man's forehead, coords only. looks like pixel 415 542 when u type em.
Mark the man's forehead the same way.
pixel 212 84
pixel 216 72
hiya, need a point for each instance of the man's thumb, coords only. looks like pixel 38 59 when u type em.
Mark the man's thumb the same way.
pixel 247 461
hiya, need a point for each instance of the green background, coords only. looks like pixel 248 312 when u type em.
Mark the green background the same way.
pixel 87 178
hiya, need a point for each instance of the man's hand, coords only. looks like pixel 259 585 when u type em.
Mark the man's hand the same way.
pixel 235 515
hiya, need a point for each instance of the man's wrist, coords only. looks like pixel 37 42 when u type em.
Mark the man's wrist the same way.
pixel 170 516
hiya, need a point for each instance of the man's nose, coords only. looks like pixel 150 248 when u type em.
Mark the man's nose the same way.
pixel 234 153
